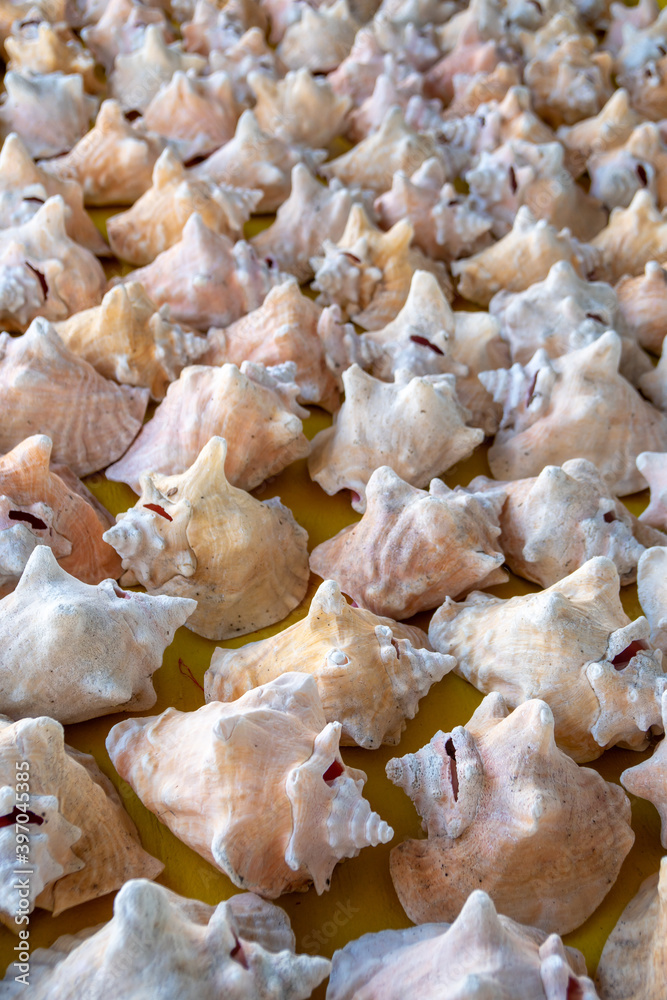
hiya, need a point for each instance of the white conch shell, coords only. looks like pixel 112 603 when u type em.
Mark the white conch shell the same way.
pixel 521 258
pixel 552 524
pixel 300 108
pixel 51 663
pixel 248 54
pixel 633 236
pixel 254 408
pixel 194 535
pixel 157 220
pixel 575 406
pixel 257 160
pixel 606 130
pixel 283 808
pixel 642 301
pixel 213 29
pixel 653 467
pixel 648 780
pixel 653 383
pixel 128 339
pixel 205 279
pixel 415 424
pixel 121 29
pixel 113 162
pixel 639 163
pixel 87 845
pixel 413 547
pixel 507 812
pixel 24 187
pixel 284 328
pixel 159 944
pixel 633 964
pixel 138 75
pixel 481 88
pixel 652 591
pixel 43 272
pixel 196 114
pixel 320 39
pixel 46 48
pixel 474 957
pixel 371 672
pixel 90 420
pixel 608 684
pixel 50 111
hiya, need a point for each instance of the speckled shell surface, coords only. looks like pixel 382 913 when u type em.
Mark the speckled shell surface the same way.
pixel 571 645
pixel 496 798
pixel 267 763
pixel 194 535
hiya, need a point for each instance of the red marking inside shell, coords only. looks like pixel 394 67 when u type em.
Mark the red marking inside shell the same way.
pixel 158 510
pixel 124 596
pixel 574 990
pixel 623 658
pixel 34 522
pixel 595 316
pixel 514 185
pixel 12 817
pixel 356 497
pixel 642 175
pixel 333 771
pixel 610 517
pixel 40 277
pixel 395 645
pixel 425 342
pixel 238 954
pixel 451 753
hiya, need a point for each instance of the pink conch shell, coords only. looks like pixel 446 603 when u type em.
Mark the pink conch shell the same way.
pixel 214 29
pixel 284 328
pixel 633 964
pixel 43 48
pixel 368 273
pixel 205 279
pixel 521 258
pixel 639 163
pixel 415 424
pixel 257 160
pixel 40 507
pixel 633 236
pixel 159 944
pixel 50 664
pixel 312 214
pixel 196 114
pixel 480 953
pixel 138 75
pixel 642 301
pixel 121 29
pixel 653 467
pixel 24 187
pixel 640 16
pixel 576 406
pixel 86 831
pixel 482 88
pixel 597 135
pixel 320 39
pixel 507 812
pixel 373 163
pixel 609 681
pixel 552 524
pixel 445 224
pixel 43 272
pixel 396 85
pixel 113 162
pixel 128 339
pixel 90 420
pixel 253 408
pixel 156 222
pixel 248 54
pixel 50 112
pixel 465 59
pixel 412 547
pixel 195 535
pixel 371 672
pixel 357 74
pixel 282 809
pixel 300 108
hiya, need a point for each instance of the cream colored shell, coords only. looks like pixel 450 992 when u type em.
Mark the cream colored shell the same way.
pixel 50 111
pixel 648 780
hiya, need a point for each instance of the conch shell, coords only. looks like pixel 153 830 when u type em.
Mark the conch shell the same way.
pixel 284 328
pixel 652 591
pixel 300 108
pixel 128 339
pixel 633 236
pixel 320 39
pixel 608 684
pixel 90 420
pixel 82 842
pixel 254 408
pixel 138 75
pixel 194 535
pixel 648 780
pixel 507 812
pixel 413 547
pixel 121 29
pixel 46 48
pixel 415 424
pixel 642 301
pixel 40 507
pixel 51 663
pixel 574 406
pixel 113 162
pixel 554 523
pixel 371 672
pixel 481 953
pixel 633 964
pixel 162 945
pixel 607 130
pixel 282 809
pixel 50 111
pixel 639 163
pixel 156 221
